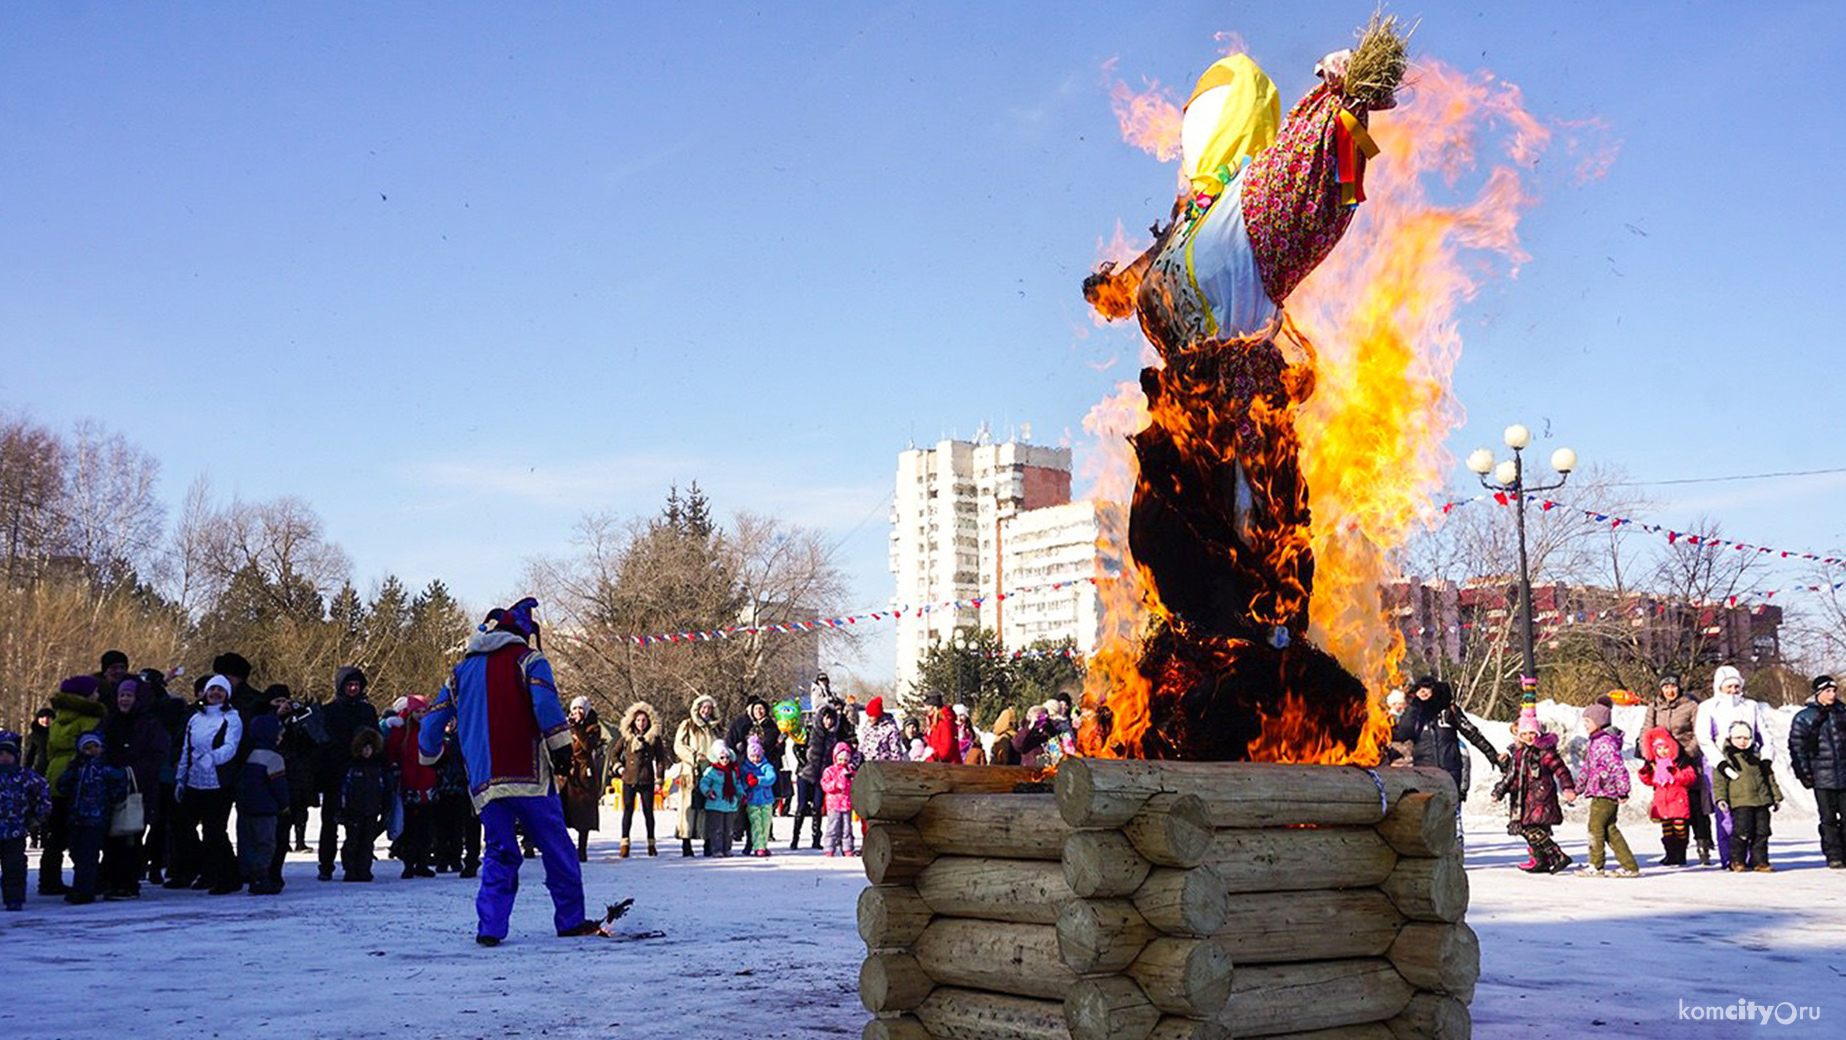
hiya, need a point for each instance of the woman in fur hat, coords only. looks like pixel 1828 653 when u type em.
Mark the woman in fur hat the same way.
pixel 582 786
pixel 644 762
pixel 692 743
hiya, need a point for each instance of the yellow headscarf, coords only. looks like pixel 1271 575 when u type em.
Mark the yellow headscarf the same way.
pixel 1233 114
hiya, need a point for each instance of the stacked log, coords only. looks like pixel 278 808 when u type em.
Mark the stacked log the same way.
pixel 1162 901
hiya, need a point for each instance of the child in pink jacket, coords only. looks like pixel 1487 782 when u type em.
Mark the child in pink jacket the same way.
pixel 1675 782
pixel 836 784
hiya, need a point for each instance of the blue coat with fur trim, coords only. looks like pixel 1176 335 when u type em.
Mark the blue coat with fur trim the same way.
pixel 507 716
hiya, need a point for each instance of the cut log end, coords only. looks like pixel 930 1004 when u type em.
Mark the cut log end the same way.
pixel 1439 958
pixel 1189 977
pixel 892 981
pixel 902 1027
pixel 1100 864
pixel 1109 1007
pixel 891 916
pixel 1422 823
pixel 1102 936
pixel 1172 830
pixel 1430 1016
pixel 1429 889
pixel 894 852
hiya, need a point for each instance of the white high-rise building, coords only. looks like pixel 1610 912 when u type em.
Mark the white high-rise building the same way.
pixel 1039 550
pixel 959 508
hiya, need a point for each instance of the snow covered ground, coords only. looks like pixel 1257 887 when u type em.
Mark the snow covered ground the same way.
pixel 767 949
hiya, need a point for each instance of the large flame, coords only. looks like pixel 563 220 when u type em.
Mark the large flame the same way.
pixel 1380 314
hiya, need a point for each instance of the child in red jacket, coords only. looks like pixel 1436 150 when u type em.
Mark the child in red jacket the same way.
pixel 1674 780
pixel 416 785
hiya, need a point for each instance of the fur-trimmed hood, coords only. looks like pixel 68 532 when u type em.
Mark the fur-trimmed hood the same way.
pixel 368 737
pixel 628 722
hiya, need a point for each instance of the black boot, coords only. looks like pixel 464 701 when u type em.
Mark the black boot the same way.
pixel 816 831
pixel 1704 853
pixel 685 847
pixel 795 844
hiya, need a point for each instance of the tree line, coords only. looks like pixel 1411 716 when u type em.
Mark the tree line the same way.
pixel 89 562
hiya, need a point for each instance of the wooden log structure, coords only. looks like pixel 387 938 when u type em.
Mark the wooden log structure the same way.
pixel 1096 792
pixel 1189 977
pixel 952 1013
pixel 1421 823
pixel 1295 998
pixel 1109 1007
pixel 998 826
pixel 893 981
pixel 1183 902
pixel 1172 1027
pixel 896 1027
pixel 897 791
pixel 1171 830
pixel 1163 901
pixel 1026 891
pixel 1269 927
pixel 995 955
pixel 1103 863
pixel 1275 859
pixel 1101 936
pixel 1367 1031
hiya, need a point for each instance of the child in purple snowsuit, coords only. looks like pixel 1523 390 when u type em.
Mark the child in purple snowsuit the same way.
pixel 1605 780
pixel 25 803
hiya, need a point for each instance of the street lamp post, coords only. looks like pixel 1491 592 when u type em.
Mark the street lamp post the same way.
pixel 960 642
pixel 1509 478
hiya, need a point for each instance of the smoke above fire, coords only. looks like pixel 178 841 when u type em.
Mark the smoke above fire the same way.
pixel 1444 201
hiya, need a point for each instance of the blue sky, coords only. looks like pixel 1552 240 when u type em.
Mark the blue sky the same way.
pixel 457 273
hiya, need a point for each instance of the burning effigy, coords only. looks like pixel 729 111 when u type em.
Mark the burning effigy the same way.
pixel 1220 526
pixel 1212 863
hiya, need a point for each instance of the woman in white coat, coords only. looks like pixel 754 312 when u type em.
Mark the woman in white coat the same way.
pixel 1712 727
pixel 202 853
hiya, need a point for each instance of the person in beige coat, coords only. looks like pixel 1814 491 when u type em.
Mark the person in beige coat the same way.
pixel 692 743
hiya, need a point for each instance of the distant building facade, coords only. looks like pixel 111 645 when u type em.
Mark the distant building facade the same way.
pixel 973 519
pixel 1441 621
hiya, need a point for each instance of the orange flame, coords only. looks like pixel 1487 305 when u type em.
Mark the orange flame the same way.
pixel 1149 118
pixel 1382 311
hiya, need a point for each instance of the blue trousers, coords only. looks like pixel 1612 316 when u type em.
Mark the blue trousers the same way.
pixel 542 818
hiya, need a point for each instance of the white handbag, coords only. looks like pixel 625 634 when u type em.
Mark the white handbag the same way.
pixel 130 815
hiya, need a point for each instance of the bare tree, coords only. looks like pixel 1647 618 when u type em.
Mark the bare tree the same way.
pixel 667 576
pixel 111 517
pixel 31 483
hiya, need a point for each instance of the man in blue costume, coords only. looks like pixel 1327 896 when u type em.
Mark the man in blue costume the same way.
pixel 514 739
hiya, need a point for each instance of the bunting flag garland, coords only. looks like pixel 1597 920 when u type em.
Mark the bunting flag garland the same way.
pixel 1672 537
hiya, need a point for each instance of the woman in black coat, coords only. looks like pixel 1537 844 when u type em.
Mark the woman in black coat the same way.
pixel 1433 726
pixel 134 741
